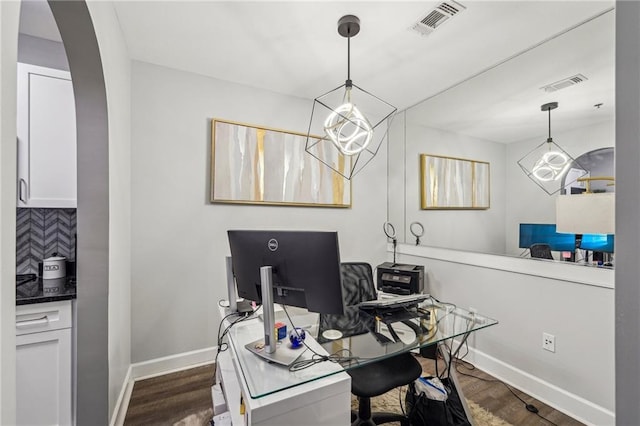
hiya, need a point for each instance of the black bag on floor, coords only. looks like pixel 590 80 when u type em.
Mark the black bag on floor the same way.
pixel 423 411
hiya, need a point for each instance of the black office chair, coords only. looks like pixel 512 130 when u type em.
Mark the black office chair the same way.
pixel 375 378
pixel 541 251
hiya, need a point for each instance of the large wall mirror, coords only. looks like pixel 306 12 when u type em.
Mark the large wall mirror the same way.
pixel 495 117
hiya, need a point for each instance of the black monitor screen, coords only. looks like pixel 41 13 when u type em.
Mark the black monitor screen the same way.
pixel 306 267
pixel 597 242
pixel 545 233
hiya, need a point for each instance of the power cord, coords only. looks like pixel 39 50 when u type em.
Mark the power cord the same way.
pixel 529 407
pixel 223 346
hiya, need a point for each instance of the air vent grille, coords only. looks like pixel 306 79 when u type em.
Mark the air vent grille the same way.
pixel 434 19
pixel 565 82
pixel 438 16
pixel 451 9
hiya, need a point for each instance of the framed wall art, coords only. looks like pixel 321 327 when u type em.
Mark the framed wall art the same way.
pixel 448 183
pixel 259 165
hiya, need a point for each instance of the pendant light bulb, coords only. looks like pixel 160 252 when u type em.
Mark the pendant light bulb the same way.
pixel 347 128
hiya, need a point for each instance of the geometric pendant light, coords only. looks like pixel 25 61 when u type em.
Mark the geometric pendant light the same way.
pixel 348 124
pixel 547 163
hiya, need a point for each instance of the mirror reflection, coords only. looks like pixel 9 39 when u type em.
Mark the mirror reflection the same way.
pixel 496 117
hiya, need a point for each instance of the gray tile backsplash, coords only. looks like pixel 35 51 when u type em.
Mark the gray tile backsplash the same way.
pixel 42 232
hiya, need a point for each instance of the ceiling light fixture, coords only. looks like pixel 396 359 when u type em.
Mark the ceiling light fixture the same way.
pixel 547 163
pixel 348 124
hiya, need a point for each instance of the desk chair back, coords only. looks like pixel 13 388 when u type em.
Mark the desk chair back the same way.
pixel 541 251
pixel 357 286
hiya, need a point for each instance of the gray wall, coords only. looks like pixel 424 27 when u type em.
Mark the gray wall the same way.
pixel 474 230
pixel 627 213
pixel 178 238
pixel 42 52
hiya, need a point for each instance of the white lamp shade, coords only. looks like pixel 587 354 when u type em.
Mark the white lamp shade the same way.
pixel 586 213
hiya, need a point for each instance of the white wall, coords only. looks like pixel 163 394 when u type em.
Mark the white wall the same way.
pixel 579 377
pixel 178 238
pixel 117 73
pixel 474 230
pixel 9 19
pixel 528 203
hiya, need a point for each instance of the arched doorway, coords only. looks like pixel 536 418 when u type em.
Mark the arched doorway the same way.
pixel 81 46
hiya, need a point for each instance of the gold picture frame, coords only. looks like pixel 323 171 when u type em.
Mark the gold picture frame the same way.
pixel 449 183
pixel 261 165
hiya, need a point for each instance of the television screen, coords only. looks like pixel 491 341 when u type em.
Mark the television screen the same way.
pixel 545 233
pixel 597 242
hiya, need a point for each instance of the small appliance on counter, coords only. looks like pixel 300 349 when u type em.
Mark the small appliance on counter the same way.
pixel 53 286
pixel 397 278
pixel 54 267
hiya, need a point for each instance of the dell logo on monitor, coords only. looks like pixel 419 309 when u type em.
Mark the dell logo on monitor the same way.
pixel 272 244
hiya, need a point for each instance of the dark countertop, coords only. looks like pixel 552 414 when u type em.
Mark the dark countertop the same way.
pixel 41 291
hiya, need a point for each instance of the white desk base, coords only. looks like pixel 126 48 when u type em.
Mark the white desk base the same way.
pixel 325 401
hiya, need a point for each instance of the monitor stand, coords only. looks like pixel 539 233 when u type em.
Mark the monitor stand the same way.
pixel 267 347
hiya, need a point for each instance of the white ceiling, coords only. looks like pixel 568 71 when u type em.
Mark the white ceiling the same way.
pixel 503 103
pixel 294 48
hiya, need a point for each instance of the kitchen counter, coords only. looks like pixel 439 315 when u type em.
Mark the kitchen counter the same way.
pixel 41 291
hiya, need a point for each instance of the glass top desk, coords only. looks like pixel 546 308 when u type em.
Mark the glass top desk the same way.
pixel 364 339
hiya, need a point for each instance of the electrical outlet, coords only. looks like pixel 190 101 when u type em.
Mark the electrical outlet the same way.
pixel 549 342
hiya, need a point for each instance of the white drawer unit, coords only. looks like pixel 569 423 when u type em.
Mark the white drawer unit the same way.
pixel 44 364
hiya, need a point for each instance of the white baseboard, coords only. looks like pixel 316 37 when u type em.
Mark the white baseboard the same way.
pixel 157 367
pixel 172 363
pixel 572 405
pixel 120 410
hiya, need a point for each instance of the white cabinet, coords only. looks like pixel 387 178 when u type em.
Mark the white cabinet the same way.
pixel 46 131
pixel 44 364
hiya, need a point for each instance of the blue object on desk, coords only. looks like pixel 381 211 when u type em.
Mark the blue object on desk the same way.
pixel 296 337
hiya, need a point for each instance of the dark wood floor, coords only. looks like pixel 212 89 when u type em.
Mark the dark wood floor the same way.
pixel 166 399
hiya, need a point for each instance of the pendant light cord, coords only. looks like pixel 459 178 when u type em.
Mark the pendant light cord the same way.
pixel 549 139
pixel 349 61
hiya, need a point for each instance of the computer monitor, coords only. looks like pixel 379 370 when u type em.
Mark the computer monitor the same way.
pixel 597 242
pixel 296 268
pixel 545 233
pixel 305 266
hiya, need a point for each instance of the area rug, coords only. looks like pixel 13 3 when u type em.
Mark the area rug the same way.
pixel 390 402
pixel 387 402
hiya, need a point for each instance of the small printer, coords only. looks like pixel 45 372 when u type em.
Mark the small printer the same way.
pixel 397 278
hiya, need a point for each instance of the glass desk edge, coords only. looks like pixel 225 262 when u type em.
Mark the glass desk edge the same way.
pixel 251 366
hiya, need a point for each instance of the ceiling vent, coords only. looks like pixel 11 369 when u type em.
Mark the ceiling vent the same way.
pixel 438 16
pixel 565 82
